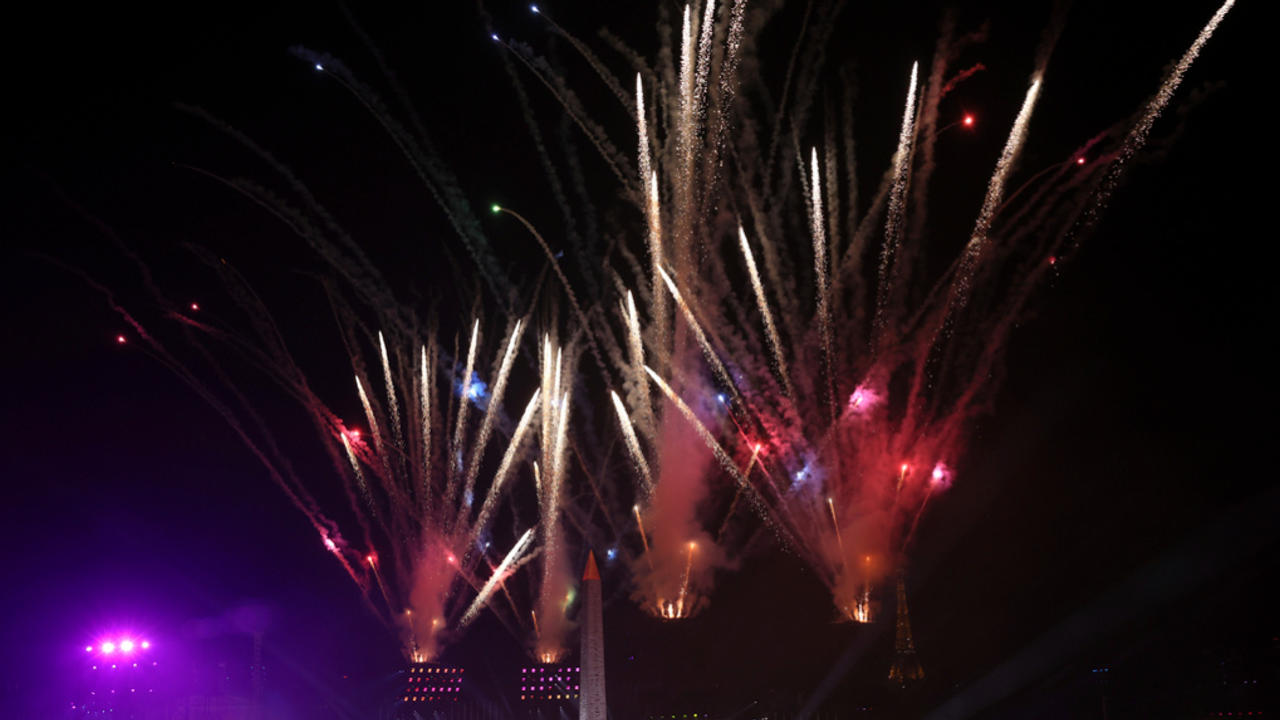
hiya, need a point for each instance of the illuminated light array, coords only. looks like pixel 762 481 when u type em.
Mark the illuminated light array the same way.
pixel 433 683
pixel 550 683
pixel 124 645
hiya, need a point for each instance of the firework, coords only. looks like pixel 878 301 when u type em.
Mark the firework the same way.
pixel 421 558
pixel 865 423
pixel 844 382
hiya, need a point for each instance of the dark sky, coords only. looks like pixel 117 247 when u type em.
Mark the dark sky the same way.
pixel 1130 443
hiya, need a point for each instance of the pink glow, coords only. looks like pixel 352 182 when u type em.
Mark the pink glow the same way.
pixel 863 399
pixel 119 339
pixel 969 120
pixel 941 476
pixel 126 646
pixel 108 647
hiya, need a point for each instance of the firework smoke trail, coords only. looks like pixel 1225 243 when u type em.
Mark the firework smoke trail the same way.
pixel 684 131
pixel 392 407
pixel 818 232
pixel 1137 136
pixel 653 216
pixel 639 392
pixel 725 461
pixel 679 611
pixel 372 420
pixel 427 391
pixel 556 403
pixel 835 525
pixel 893 227
pixel 633 443
pixel 499 574
pixel 435 175
pixel 564 282
pixel 486 424
pixel 644 539
pixel 995 193
pixel 708 352
pixel 504 470
pixel 775 343
pixel 382 587
pixel 359 474
pixel 467 377
pixel 642 135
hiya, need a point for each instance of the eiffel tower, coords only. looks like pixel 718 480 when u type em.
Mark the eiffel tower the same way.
pixel 906 666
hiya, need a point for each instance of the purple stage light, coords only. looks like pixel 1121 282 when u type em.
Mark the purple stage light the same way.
pixel 126 646
pixel 108 647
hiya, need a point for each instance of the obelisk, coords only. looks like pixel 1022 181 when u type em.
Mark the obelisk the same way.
pixel 591 702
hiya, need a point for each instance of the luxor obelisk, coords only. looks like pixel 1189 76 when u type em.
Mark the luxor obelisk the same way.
pixel 591 703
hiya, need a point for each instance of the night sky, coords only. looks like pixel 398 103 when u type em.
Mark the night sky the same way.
pixel 1121 495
